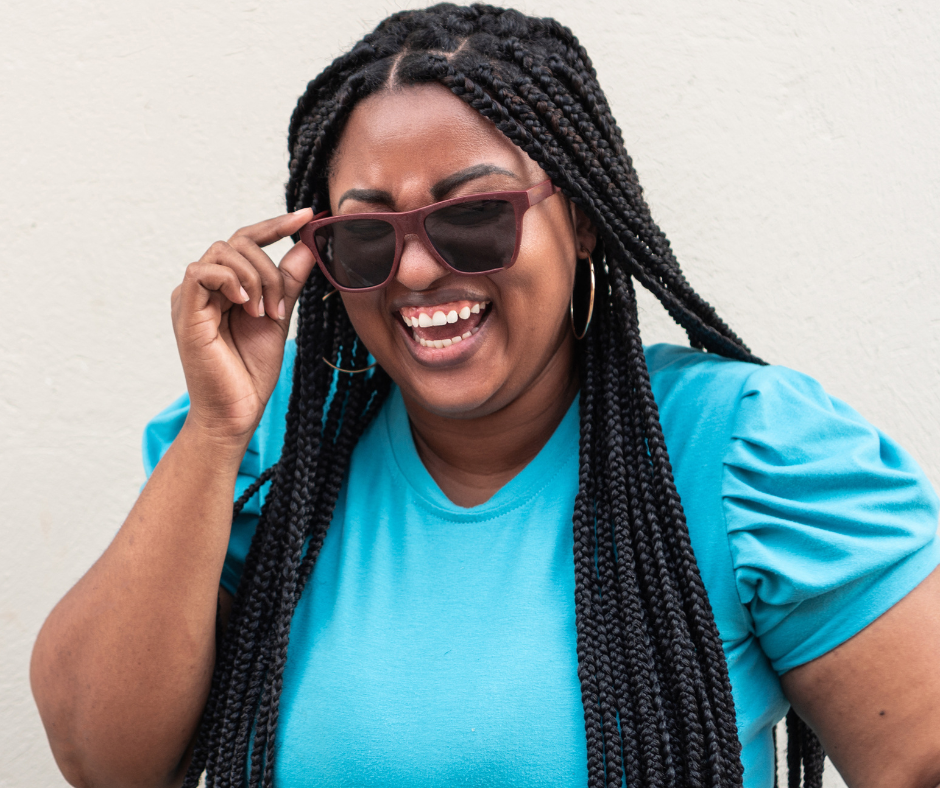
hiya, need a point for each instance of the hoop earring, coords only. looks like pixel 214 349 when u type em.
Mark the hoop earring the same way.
pixel 349 371
pixel 340 369
pixel 590 309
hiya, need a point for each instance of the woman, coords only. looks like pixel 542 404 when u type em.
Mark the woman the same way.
pixel 406 611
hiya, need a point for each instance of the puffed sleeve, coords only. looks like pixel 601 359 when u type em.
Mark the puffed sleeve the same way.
pixel 830 522
pixel 263 451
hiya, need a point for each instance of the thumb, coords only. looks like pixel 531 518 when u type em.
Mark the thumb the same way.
pixel 295 268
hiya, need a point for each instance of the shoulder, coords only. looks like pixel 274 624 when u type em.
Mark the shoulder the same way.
pixel 684 377
pixel 780 437
pixel 691 375
pixel 696 390
pixel 828 520
pixel 699 395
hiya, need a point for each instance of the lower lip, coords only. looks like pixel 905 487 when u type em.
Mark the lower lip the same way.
pixel 446 356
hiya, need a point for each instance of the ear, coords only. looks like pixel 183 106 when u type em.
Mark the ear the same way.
pixel 585 234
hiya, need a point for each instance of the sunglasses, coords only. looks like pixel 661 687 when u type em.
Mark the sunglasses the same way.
pixel 476 234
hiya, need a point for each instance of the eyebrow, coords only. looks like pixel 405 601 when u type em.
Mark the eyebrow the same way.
pixel 438 191
pixel 443 187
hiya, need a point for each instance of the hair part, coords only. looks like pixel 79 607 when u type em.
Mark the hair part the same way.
pixel 657 701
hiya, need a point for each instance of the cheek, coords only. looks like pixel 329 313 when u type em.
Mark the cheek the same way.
pixel 545 276
pixel 366 315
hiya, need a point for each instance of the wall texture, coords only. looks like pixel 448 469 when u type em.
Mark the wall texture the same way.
pixel 788 148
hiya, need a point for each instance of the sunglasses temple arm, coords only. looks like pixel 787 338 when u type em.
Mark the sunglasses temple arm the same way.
pixel 541 191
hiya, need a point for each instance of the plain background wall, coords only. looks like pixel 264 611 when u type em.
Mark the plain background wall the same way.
pixel 788 148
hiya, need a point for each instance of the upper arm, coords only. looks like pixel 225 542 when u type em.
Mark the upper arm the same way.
pixel 832 530
pixel 874 701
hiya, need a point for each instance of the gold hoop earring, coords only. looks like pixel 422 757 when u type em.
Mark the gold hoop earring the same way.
pixel 349 371
pixel 590 309
pixel 340 369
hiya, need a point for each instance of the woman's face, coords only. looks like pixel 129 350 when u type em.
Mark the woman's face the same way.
pixel 410 147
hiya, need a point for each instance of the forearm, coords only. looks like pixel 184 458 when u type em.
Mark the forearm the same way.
pixel 122 666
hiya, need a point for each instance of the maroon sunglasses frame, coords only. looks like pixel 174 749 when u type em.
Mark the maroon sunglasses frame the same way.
pixel 412 223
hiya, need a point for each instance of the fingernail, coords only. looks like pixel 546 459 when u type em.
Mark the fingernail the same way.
pixel 302 210
pixel 244 294
pixel 261 307
pixel 281 310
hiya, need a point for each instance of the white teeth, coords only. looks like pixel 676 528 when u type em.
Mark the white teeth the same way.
pixel 440 344
pixel 441 318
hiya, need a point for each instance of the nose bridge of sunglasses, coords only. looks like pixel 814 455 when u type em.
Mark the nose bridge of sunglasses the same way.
pixel 417 249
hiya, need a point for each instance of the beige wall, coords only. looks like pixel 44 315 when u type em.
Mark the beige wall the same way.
pixel 788 148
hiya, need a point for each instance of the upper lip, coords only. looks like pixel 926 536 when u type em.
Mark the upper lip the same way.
pixel 436 297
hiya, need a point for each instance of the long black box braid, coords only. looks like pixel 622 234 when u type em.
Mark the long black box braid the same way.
pixel 657 698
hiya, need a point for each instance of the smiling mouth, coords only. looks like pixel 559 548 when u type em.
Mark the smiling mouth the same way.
pixel 442 325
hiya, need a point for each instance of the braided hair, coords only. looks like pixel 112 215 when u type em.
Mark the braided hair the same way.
pixel 658 709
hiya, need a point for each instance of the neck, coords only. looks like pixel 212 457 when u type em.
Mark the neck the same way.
pixel 471 459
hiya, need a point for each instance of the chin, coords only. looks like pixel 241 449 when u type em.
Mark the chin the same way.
pixel 453 399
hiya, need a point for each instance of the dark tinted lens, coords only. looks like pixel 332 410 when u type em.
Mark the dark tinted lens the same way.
pixel 358 252
pixel 474 236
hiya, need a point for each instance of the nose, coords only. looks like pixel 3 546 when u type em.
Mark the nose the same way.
pixel 418 268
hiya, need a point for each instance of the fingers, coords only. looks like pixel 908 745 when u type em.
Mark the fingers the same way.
pixel 257 274
pixel 271 230
pixel 267 292
pixel 204 281
pixel 239 272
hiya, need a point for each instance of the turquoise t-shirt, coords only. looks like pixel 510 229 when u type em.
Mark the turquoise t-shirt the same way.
pixel 435 645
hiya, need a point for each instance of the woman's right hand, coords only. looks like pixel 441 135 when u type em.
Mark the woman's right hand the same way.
pixel 122 667
pixel 231 316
